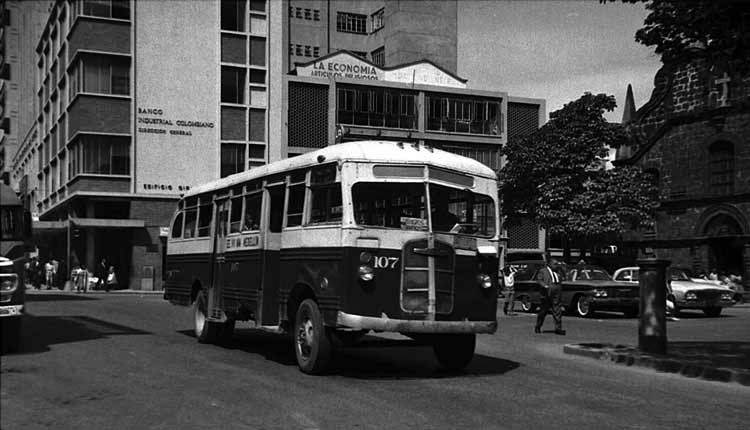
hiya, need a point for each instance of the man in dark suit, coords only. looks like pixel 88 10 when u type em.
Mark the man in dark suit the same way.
pixel 551 290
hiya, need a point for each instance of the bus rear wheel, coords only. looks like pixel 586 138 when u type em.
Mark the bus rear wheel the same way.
pixel 205 331
pixel 455 351
pixel 312 345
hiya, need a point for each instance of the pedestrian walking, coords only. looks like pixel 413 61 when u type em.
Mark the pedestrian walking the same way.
pixel 508 274
pixel 101 274
pixel 551 290
pixel 49 274
pixel 111 282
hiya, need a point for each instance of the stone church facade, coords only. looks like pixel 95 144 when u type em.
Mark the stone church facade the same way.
pixel 693 136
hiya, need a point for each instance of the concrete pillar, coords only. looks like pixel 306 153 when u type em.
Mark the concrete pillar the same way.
pixel 652 328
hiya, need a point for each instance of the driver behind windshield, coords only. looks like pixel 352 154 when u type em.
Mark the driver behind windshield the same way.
pixel 442 218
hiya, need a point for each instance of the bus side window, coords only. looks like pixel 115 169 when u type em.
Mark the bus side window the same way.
pixel 325 193
pixel 205 214
pixel 276 214
pixel 177 226
pixel 191 216
pixel 296 203
pixel 252 211
pixel 236 215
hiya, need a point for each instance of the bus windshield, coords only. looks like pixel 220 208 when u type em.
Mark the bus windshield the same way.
pixel 404 206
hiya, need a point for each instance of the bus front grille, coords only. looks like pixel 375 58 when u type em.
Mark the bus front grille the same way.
pixel 427 269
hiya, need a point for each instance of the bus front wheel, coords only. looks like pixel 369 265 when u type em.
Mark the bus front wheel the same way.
pixel 312 345
pixel 455 351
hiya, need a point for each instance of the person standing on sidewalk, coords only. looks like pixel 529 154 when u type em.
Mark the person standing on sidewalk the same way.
pixel 551 290
pixel 101 274
pixel 508 281
pixel 111 282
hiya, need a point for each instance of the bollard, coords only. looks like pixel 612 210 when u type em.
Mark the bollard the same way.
pixel 652 327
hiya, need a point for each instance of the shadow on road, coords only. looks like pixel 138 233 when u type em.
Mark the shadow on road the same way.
pixel 371 358
pixel 52 297
pixel 719 354
pixel 39 332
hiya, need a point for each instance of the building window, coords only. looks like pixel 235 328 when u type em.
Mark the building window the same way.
pixel 308 14
pixel 298 50
pixel 258 6
pixel 257 125
pixel 351 23
pixel 101 75
pixel 316 15
pixel 308 51
pixel 377 20
pixel 316 51
pixel 119 9
pixel 233 15
pixel 232 159
pixel 462 115
pixel 232 85
pixel 299 13
pixel 100 155
pixel 721 165
pixel 376 107
pixel 258 51
pixel 360 54
pixel 378 56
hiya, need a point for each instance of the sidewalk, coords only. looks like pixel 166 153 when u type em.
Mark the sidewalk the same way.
pixel 715 361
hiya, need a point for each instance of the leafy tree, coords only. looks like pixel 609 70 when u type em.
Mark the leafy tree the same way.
pixel 556 175
pixel 720 29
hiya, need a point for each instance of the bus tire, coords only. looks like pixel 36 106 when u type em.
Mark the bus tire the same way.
pixel 312 346
pixel 205 331
pixel 455 351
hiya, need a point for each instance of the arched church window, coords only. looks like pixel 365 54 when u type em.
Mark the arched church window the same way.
pixel 721 167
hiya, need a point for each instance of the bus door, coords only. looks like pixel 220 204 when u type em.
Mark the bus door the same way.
pixel 218 264
pixel 274 219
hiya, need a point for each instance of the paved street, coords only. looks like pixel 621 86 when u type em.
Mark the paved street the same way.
pixel 130 361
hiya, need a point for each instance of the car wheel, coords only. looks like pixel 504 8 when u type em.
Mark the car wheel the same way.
pixel 583 307
pixel 455 351
pixel 526 304
pixel 712 311
pixel 312 345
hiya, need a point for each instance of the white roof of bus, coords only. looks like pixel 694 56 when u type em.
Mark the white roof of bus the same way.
pixel 369 151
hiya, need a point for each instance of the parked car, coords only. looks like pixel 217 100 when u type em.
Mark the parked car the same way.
pixel 585 290
pixel 686 293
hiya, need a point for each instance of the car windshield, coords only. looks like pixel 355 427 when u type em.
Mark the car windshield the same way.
pixel 678 275
pixel 590 274
pixel 404 206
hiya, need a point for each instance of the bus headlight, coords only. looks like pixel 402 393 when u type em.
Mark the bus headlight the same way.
pixel 365 257
pixel 8 285
pixel 484 281
pixel 366 273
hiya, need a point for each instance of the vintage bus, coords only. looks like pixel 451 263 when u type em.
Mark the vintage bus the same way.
pixel 331 244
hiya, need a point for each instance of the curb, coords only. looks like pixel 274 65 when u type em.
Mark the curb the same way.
pixel 630 356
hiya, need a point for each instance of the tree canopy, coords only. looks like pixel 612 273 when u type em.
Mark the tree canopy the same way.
pixel 718 28
pixel 556 175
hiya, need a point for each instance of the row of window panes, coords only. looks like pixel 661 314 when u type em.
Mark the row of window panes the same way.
pixel 304 13
pixel 235 120
pixel 376 107
pixel 378 56
pixel 244 214
pixel 347 22
pixel 100 155
pixel 304 50
pixel 234 157
pixel 119 9
pixel 233 50
pixel 233 84
pixel 100 75
pixel 462 115
pixel 351 23
pixel 234 13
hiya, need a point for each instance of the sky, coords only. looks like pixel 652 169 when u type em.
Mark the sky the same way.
pixel 555 50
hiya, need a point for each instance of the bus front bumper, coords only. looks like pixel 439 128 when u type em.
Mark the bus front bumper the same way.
pixel 11 311
pixel 383 323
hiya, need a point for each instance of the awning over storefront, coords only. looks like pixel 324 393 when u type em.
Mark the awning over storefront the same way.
pixel 52 226
pixel 108 223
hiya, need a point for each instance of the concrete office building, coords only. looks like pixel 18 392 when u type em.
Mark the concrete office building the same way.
pixel 139 101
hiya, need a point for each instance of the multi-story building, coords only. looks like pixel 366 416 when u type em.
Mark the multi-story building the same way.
pixel 22 23
pixel 692 136
pixel 138 101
